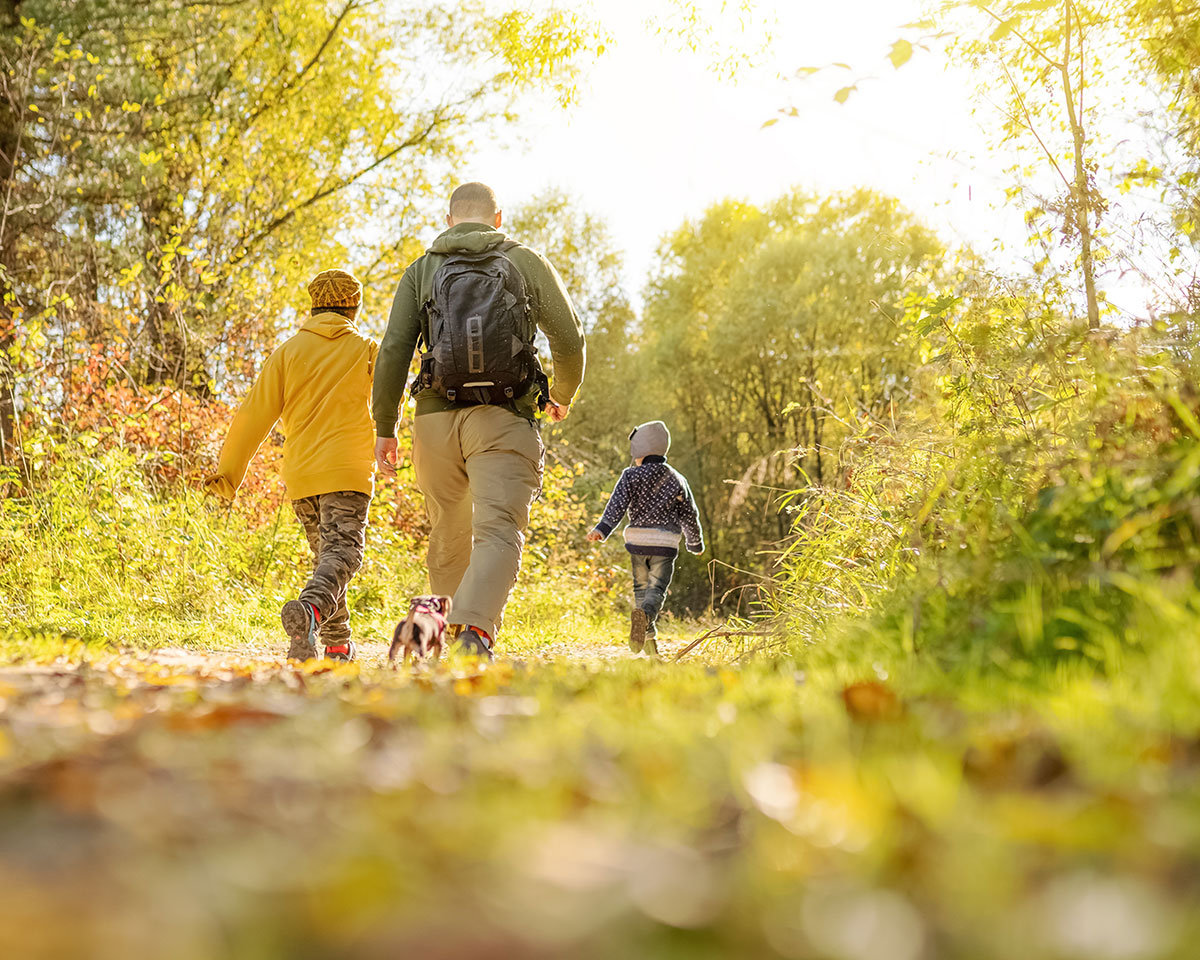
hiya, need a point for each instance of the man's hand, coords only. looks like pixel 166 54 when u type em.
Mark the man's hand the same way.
pixel 387 455
pixel 557 412
pixel 595 536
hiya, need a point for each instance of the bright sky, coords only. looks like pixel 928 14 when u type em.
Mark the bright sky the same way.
pixel 657 137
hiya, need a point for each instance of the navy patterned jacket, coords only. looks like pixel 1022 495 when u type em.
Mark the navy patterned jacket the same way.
pixel 661 508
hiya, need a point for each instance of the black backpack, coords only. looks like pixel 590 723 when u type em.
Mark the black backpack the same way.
pixel 481 331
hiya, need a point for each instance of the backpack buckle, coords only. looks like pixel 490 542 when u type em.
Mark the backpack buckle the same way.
pixel 451 395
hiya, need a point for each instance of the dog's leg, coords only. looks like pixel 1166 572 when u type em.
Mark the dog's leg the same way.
pixel 398 640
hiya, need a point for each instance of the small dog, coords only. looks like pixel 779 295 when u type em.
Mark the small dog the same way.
pixel 423 631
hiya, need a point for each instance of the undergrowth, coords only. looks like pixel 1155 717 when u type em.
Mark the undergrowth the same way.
pixel 982 741
pixel 97 547
pixel 1038 505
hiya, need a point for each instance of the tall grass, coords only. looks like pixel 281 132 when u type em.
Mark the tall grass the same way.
pixel 97 548
pixel 1038 502
pixel 97 545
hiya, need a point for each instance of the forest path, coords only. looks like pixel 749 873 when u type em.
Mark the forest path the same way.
pixel 372 653
pixel 262 660
pixel 572 801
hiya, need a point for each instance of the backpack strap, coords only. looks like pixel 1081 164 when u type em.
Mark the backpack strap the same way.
pixel 541 381
pixel 503 249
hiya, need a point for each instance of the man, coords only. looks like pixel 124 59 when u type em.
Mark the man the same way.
pixel 477 451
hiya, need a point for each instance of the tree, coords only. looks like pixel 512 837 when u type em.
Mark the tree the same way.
pixel 1166 31
pixel 1047 54
pixel 191 164
pixel 1053 69
pixel 769 335
pixel 580 247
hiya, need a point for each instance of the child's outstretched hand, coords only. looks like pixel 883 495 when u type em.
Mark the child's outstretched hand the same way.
pixel 595 536
pixel 219 486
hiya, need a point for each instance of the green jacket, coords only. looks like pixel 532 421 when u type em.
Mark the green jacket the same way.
pixel 552 311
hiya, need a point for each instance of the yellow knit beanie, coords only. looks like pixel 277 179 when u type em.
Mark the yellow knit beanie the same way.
pixel 335 288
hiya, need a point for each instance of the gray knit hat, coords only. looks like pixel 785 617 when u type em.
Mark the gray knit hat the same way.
pixel 651 439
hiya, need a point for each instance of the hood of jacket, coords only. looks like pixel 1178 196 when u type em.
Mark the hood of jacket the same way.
pixel 329 325
pixel 467 238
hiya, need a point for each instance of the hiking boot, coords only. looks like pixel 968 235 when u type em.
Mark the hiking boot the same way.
pixel 637 629
pixel 346 650
pixel 472 643
pixel 299 619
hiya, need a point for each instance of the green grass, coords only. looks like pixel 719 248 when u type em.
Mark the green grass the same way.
pixel 569 800
pixel 597 809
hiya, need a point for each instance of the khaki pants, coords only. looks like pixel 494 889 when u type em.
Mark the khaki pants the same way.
pixel 480 469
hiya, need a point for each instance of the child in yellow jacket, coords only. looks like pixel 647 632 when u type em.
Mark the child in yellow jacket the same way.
pixel 318 386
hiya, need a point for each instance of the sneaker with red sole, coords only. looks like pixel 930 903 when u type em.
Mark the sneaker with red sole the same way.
pixel 473 642
pixel 341 651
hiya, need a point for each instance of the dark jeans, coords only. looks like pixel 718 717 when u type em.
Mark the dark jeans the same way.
pixel 651 577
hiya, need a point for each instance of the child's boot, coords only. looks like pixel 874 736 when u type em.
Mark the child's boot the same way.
pixel 300 619
pixel 637 629
pixel 341 650
pixel 651 646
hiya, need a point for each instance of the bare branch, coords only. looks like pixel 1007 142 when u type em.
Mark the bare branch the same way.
pixel 1016 33
pixel 267 104
pixel 414 140
pixel 1029 123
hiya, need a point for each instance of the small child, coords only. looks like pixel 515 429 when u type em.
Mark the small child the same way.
pixel 318 385
pixel 660 507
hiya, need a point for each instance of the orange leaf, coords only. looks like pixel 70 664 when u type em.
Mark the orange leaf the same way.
pixel 871 701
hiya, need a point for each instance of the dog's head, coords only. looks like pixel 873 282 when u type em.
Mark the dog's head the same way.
pixel 432 604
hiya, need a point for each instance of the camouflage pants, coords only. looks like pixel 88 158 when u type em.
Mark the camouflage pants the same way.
pixel 336 527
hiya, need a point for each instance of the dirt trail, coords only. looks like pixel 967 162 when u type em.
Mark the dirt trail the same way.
pixel 374 654
pixel 265 654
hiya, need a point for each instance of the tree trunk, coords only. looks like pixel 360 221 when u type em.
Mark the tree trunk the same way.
pixel 165 361
pixel 1081 193
pixel 10 139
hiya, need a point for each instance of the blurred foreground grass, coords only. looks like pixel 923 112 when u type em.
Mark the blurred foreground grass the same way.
pixel 172 805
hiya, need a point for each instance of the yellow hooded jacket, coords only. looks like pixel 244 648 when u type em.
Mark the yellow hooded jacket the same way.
pixel 318 385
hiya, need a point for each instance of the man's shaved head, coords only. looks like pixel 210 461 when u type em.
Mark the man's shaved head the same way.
pixel 473 201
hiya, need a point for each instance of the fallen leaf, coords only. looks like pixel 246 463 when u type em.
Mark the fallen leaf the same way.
pixel 1031 761
pixel 871 701
pixel 219 717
